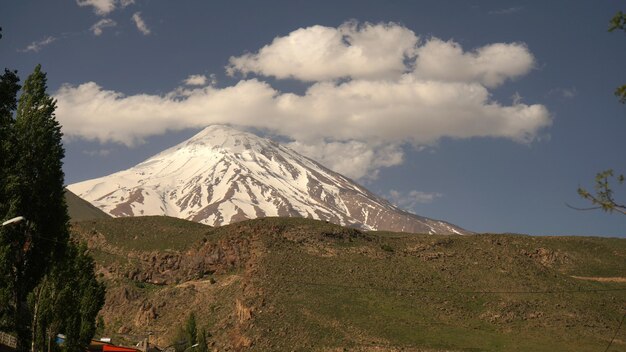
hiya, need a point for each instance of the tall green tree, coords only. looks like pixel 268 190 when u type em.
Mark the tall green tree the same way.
pixel 186 335
pixel 37 261
pixel 191 330
pixel 67 301
pixel 9 86
pixel 202 341
pixel 33 189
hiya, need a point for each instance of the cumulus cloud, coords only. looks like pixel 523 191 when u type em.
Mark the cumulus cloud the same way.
pixel 381 51
pixel 104 7
pixel 99 26
pixel 141 25
pixel 38 45
pixel 411 200
pixel 489 65
pixel 355 126
pixel 355 115
pixel 409 110
pixel 321 53
pixel 196 80
pixel 352 158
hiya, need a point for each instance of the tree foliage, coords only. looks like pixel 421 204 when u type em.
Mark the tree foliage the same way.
pixel 9 86
pixel 202 341
pixel 603 198
pixel 618 22
pixel 68 301
pixel 33 188
pixel 191 330
pixel 47 283
pixel 189 335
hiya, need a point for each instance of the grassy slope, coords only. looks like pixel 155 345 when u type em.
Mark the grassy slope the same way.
pixel 147 233
pixel 309 285
pixel 425 298
pixel 81 210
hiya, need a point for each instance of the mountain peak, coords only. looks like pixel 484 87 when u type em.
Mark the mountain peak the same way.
pixel 223 175
pixel 224 136
pixel 213 131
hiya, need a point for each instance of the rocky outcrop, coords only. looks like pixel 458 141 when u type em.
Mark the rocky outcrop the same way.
pixel 164 268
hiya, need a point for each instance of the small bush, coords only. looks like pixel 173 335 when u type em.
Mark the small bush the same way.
pixel 387 248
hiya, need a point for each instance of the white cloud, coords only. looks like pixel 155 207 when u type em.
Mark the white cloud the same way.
pixel 99 152
pixel 489 65
pixel 141 25
pixel 352 158
pixel 196 80
pixel 104 7
pixel 507 11
pixel 124 3
pixel 322 53
pixel 356 126
pixel 212 79
pixel 38 45
pixel 566 93
pixel 100 7
pixel 381 51
pixel 405 111
pixel 355 115
pixel 569 93
pixel 410 200
pixel 99 26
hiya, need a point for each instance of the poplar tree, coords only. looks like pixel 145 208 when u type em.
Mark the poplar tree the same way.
pixel 8 103
pixel 9 86
pixel 33 189
pixel 68 301
pixel 87 298
pixel 191 330
pixel 202 341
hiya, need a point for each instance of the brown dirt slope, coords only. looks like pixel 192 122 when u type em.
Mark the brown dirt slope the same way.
pixel 279 284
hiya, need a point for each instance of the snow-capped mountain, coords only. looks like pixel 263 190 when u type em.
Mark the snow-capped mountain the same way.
pixel 223 175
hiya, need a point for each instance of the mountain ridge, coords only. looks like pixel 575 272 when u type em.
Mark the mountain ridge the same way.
pixel 223 175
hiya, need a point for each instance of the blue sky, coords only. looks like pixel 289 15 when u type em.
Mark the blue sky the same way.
pixel 487 114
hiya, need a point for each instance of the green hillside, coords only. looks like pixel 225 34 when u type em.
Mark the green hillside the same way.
pixel 146 233
pixel 81 210
pixel 279 284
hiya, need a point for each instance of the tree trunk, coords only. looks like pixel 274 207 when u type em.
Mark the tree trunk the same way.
pixel 35 315
pixel 19 304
